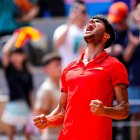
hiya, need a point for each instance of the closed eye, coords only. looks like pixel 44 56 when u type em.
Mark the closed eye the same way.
pixel 97 20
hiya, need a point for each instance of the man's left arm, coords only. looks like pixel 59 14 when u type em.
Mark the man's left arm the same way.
pixel 118 112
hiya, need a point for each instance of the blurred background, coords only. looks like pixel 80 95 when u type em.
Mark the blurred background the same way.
pixel 44 27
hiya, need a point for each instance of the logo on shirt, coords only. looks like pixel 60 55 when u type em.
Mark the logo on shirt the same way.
pixel 98 68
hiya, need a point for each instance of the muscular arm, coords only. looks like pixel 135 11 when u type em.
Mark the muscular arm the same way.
pixel 121 110
pixel 6 49
pixel 118 112
pixel 56 117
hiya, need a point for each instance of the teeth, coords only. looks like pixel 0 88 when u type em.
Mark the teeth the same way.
pixel 88 31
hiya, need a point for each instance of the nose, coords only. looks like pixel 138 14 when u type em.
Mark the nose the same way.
pixel 91 21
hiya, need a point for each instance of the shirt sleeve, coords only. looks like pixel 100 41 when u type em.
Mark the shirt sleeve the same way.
pixel 119 75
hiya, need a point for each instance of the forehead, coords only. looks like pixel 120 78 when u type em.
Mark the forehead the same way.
pixel 96 19
pixel 53 62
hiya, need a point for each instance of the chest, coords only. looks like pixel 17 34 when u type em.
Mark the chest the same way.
pixel 18 77
pixel 88 78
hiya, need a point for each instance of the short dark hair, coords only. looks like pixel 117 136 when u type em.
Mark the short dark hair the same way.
pixel 17 50
pixel 48 58
pixel 108 28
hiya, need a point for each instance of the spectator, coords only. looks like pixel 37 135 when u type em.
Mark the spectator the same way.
pixel 13 15
pixel 132 57
pixel 19 81
pixel 17 13
pixel 34 42
pixel 68 38
pixel 49 92
pixel 118 13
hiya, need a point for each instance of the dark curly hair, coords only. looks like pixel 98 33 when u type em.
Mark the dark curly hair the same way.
pixel 108 28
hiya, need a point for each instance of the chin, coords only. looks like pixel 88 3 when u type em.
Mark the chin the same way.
pixel 88 37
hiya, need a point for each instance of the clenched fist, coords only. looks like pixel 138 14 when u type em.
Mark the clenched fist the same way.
pixel 40 121
pixel 97 107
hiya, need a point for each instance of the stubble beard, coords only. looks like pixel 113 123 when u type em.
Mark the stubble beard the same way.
pixel 95 39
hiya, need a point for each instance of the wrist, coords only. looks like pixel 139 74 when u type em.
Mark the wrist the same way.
pixel 48 121
pixel 105 111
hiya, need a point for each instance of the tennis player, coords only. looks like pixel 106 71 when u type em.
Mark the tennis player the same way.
pixel 88 88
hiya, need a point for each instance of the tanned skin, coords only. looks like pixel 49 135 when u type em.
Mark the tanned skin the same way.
pixel 96 37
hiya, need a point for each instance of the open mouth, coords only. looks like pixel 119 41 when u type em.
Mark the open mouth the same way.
pixel 89 28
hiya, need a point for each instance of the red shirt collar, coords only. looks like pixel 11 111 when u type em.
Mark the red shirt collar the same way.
pixel 99 58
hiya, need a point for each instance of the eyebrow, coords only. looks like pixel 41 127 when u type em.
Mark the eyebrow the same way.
pixel 97 19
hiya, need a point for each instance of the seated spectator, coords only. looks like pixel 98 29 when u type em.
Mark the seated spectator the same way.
pixel 49 92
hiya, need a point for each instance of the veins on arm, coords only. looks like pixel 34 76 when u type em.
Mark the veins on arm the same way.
pixel 57 116
pixel 121 110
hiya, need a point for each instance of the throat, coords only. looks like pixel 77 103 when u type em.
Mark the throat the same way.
pixel 91 53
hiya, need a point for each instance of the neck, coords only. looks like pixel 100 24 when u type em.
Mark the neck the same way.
pixel 56 81
pixel 92 51
pixel 18 66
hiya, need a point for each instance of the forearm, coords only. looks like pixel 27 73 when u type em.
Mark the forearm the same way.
pixel 56 117
pixel 32 99
pixel 58 42
pixel 30 15
pixel 6 49
pixel 117 112
pixel 10 44
pixel 128 53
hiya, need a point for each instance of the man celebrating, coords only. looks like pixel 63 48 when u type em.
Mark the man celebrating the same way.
pixel 88 88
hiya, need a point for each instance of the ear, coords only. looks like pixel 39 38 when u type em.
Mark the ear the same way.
pixel 106 35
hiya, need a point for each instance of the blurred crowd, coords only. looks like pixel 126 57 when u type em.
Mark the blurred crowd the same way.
pixel 23 46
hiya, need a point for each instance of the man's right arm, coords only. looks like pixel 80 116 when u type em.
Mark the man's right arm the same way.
pixel 55 118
